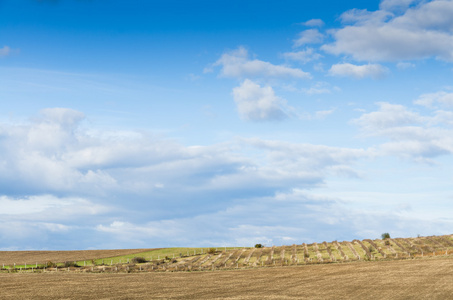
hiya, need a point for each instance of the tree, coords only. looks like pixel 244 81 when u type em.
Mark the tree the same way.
pixel 385 235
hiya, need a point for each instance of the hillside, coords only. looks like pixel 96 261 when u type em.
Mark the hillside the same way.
pixel 198 259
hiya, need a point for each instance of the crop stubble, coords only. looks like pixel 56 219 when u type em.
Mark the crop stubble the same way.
pixel 405 279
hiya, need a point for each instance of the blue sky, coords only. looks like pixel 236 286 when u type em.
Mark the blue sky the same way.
pixel 131 124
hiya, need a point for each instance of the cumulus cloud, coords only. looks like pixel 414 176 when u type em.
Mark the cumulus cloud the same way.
pixel 309 36
pixel 421 31
pixel 256 103
pixel 237 64
pixel 374 71
pixel 52 155
pixel 64 181
pixel 303 56
pixel 135 189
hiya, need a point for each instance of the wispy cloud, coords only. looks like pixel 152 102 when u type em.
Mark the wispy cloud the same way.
pixel 309 36
pixel 374 71
pixel 431 100
pixel 314 23
pixel 396 5
pixel 319 88
pixel 5 51
pixel 303 56
pixel 405 65
pixel 237 64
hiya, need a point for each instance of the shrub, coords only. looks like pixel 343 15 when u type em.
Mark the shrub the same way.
pixel 387 242
pixel 211 250
pixel 385 235
pixel 371 249
pixel 50 264
pixel 68 264
pixel 138 260
pixel 259 246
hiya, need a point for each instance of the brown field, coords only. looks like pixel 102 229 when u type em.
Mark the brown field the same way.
pixel 429 278
pixel 31 257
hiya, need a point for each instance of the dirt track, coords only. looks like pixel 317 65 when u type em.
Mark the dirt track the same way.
pixel 406 279
pixel 31 257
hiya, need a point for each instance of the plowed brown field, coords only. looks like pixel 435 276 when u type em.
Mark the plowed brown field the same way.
pixel 31 257
pixel 401 279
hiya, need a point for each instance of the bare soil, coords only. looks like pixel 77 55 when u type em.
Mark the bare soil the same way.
pixel 31 257
pixel 429 278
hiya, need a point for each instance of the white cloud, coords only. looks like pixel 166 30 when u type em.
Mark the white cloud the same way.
pixel 5 51
pixel 131 231
pixel 299 158
pixel 30 205
pixel 363 16
pixel 314 23
pixel 441 98
pixel 87 183
pixel 388 115
pixel 43 207
pixel 423 31
pixel 309 36
pixel 52 196
pixel 109 167
pixel 349 70
pixel 303 56
pixel 433 15
pixel 411 135
pixel 256 103
pixel 237 64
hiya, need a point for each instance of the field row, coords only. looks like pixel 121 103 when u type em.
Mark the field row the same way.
pixel 178 259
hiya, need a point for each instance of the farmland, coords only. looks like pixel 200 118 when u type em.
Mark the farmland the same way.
pixel 11 257
pixel 200 259
pixel 394 279
pixel 391 268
